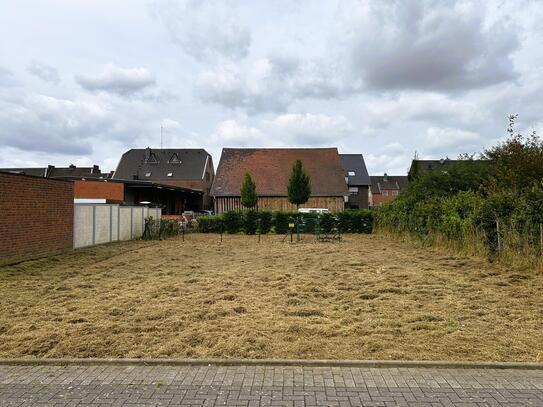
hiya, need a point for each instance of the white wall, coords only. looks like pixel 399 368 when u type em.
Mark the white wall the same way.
pixel 104 223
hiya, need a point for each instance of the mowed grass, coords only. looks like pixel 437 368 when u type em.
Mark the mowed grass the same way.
pixel 367 297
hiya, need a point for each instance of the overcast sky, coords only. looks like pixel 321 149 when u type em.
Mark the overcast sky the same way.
pixel 83 81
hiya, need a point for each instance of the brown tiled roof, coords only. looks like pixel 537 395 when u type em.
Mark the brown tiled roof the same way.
pixel 270 168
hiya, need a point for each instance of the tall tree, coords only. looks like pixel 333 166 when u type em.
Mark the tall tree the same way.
pixel 248 194
pixel 299 185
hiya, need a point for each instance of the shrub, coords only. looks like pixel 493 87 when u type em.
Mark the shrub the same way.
pixel 210 224
pixel 265 221
pixel 355 221
pixel 351 221
pixel 232 221
pixel 250 218
pixel 280 222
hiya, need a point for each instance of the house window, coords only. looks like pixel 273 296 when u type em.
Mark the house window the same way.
pixel 147 174
pixel 394 193
pixel 170 174
pixel 351 173
pixel 174 159
pixel 353 191
pixel 385 193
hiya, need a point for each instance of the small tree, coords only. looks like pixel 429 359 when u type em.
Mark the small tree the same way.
pixel 299 185
pixel 248 192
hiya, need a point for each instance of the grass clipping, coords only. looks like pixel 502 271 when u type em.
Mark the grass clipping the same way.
pixel 366 297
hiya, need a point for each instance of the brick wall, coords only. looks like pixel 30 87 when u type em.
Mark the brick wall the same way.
pixel 112 191
pixel 36 217
pixel 378 199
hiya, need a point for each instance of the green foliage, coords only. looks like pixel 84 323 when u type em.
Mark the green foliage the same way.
pixel 518 160
pixel 210 224
pixel 495 203
pixel 250 222
pixel 280 222
pixel 350 221
pixel 299 185
pixel 248 194
pixel 265 221
pixel 233 221
pixel 356 221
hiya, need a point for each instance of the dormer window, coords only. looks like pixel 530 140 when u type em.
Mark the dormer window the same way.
pixel 174 159
pixel 151 159
pixel 351 173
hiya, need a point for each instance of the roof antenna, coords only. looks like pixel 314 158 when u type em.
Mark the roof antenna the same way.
pixel 161 131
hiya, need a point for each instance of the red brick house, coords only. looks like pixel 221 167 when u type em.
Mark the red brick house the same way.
pixel 270 168
pixel 185 168
pixel 385 188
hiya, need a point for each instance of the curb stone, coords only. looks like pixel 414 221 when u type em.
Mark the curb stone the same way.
pixel 276 362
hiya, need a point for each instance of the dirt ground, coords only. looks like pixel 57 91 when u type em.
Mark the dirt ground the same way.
pixel 367 297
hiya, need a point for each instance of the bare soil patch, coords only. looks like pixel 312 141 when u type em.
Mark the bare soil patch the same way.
pixel 367 297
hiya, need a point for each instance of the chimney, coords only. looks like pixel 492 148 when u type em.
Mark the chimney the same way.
pixel 48 171
pixel 385 177
pixel 147 154
pixel 95 169
pixel 72 166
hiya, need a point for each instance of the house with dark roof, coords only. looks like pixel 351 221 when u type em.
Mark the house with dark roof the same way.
pixel 385 188
pixel 357 179
pixel 59 172
pixel 187 168
pixel 270 168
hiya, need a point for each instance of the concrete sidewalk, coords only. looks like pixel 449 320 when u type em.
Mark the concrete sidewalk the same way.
pixel 137 385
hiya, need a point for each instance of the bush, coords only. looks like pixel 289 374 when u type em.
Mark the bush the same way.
pixel 250 219
pixel 356 221
pixel 351 221
pixel 280 222
pixel 210 224
pixel 232 221
pixel 265 221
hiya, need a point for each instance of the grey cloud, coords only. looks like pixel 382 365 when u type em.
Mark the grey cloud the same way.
pixel 45 72
pixel 47 124
pixel 430 45
pixel 121 81
pixel 271 84
pixel 205 30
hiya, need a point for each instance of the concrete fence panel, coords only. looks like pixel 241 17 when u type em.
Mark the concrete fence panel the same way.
pixel 104 223
pixel 125 223
pixel 83 225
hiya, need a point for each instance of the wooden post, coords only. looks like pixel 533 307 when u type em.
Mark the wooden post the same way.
pixel 541 237
pixel 498 234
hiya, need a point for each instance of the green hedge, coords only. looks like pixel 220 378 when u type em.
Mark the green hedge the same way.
pixel 251 222
pixel 467 217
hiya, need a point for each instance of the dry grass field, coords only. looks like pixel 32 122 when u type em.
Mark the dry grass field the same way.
pixel 367 297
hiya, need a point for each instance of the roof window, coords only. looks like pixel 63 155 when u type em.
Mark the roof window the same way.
pixel 351 173
pixel 170 174
pixel 147 174
pixel 151 159
pixel 174 159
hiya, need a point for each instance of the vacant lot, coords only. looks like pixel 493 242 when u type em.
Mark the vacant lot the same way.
pixel 364 298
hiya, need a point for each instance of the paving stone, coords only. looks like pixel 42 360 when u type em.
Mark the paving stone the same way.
pixel 250 386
